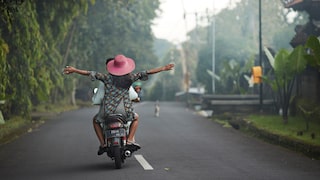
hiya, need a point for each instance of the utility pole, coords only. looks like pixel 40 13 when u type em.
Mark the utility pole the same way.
pixel 213 41
pixel 213 24
pixel 260 56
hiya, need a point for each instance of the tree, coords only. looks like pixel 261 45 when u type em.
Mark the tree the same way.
pixel 8 9
pixel 205 64
pixel 54 27
pixel 236 35
pixel 23 39
pixel 313 57
pixel 4 80
pixel 110 28
pixel 30 42
pixel 286 66
pixel 41 37
pixel 163 86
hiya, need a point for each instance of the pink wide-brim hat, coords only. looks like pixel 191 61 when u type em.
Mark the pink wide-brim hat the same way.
pixel 120 65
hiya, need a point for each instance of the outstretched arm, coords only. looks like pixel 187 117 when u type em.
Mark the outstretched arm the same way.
pixel 70 70
pixel 162 68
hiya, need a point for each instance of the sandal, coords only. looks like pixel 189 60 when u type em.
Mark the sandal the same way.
pixel 101 150
pixel 134 144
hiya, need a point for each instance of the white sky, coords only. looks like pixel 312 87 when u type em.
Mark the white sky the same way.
pixel 172 26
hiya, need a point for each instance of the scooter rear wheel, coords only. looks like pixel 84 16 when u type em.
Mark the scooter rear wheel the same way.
pixel 117 157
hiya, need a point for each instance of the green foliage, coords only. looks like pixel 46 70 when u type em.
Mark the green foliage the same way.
pixel 162 48
pixel 4 80
pixel 44 36
pixel 7 11
pixel 23 58
pixel 232 76
pixel 309 110
pixel 110 28
pixel 11 127
pixel 163 86
pixel 274 125
pixel 33 38
pixel 55 20
pixel 286 66
pixel 236 37
pixel 313 57
pixel 204 64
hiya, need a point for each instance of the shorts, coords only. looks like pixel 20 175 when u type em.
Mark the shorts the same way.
pixel 100 117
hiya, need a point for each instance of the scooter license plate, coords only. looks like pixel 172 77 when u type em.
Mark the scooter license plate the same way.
pixel 116 133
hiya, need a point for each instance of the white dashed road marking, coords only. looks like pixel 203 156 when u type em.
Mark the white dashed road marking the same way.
pixel 143 162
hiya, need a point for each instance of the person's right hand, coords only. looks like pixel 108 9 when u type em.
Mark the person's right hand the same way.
pixel 168 67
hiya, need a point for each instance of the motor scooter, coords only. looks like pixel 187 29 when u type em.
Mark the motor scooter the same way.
pixel 115 130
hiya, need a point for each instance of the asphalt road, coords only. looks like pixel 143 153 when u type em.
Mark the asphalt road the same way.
pixel 177 145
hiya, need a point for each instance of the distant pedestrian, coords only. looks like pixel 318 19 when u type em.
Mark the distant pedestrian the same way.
pixel 157 109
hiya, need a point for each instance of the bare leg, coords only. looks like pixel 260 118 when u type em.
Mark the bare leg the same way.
pixel 99 133
pixel 133 128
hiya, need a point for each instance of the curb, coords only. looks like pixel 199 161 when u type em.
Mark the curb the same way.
pixel 309 150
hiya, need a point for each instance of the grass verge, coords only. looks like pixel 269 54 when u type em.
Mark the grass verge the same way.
pixel 271 128
pixel 294 129
pixel 16 126
pixel 12 128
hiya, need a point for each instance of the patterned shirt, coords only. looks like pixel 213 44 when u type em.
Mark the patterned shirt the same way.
pixel 113 95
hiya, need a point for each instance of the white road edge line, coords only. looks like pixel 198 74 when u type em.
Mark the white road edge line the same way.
pixel 143 162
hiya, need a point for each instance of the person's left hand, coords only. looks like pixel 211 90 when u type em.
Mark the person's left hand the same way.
pixel 136 100
pixel 68 70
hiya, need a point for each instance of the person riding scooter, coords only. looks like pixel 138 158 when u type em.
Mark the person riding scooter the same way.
pixel 116 99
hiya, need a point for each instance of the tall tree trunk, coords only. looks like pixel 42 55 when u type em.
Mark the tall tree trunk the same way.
pixel 285 115
pixel 69 44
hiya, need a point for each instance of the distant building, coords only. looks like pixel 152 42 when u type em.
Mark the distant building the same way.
pixel 193 97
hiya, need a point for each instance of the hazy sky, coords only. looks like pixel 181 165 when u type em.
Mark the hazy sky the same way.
pixel 171 24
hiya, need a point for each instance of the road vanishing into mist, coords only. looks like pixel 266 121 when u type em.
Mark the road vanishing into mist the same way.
pixel 179 144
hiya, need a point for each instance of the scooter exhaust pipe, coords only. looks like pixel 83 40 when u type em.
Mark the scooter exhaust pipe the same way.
pixel 127 153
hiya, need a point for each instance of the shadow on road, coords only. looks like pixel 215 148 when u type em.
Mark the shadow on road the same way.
pixel 86 168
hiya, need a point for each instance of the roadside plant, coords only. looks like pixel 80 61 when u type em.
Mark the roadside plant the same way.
pixel 286 66
pixel 313 52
